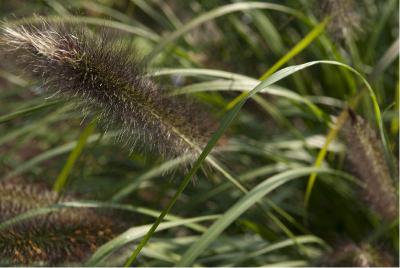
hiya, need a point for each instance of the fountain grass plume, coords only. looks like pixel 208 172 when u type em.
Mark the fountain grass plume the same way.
pixel 65 236
pixel 365 154
pixel 346 20
pixel 349 254
pixel 107 77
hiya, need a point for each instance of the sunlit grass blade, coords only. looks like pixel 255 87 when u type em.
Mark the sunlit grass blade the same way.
pixel 12 78
pixel 137 232
pixel 227 120
pixel 246 86
pixel 341 119
pixel 333 133
pixel 58 7
pixel 243 205
pixel 300 46
pixel 93 204
pixel 199 72
pixel 304 91
pixel 282 244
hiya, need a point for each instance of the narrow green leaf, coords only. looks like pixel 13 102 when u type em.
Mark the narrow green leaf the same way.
pixel 242 205
pixel 158 170
pixel 73 156
pixel 300 46
pixel 282 244
pixel 305 42
pixel 391 54
pixel 14 79
pixel 53 153
pixel 390 7
pixel 247 85
pixel 151 12
pixel 218 12
pixel 268 31
pixel 106 10
pixel 227 120
pixel 322 153
pixel 201 72
pixel 27 111
pixel 135 233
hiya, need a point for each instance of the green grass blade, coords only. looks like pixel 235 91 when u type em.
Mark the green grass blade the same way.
pixel 136 233
pixel 131 208
pixel 300 46
pixel 322 153
pixel 29 129
pixel 245 86
pixel 293 263
pixel 388 58
pixel 151 12
pixel 53 153
pixel 225 122
pixel 58 7
pixel 197 72
pixel 158 170
pixel 332 134
pixel 215 13
pixel 305 239
pixel 268 31
pixel 27 111
pixel 108 11
pixel 390 8
pixel 241 206
pixel 73 156
pixel 12 78
pixel 305 42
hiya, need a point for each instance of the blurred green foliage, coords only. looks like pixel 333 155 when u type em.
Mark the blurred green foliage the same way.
pixel 272 133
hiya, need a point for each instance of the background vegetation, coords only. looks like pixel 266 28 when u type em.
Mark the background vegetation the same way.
pixel 257 204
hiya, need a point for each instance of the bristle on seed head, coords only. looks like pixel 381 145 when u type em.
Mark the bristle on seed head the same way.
pixel 108 78
pixel 63 237
pixel 365 154
pixel 349 254
pixel 346 21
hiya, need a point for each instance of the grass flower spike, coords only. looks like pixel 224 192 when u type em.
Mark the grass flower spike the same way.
pixel 349 254
pixel 64 236
pixel 107 77
pixel 366 156
pixel 346 20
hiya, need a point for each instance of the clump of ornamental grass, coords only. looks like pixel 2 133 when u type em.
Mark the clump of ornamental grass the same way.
pixel 67 235
pixel 365 154
pixel 345 18
pixel 108 78
pixel 350 254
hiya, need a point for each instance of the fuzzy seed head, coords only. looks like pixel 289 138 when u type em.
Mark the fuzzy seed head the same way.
pixel 365 153
pixel 349 254
pixel 65 236
pixel 346 20
pixel 107 78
